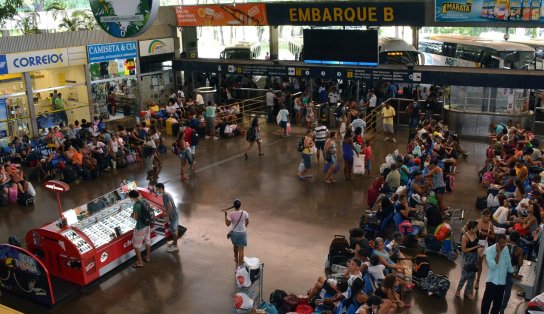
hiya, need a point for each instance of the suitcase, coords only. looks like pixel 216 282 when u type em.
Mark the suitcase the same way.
pixel 436 284
pixel 12 194
pixel 169 125
pixel 69 174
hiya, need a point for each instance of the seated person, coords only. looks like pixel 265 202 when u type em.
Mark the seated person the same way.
pixel 527 221
pixel 376 269
pixel 410 213
pixel 385 257
pixel 387 291
pixel 377 305
pixel 392 181
pixel 358 294
pixel 353 271
pixel 330 292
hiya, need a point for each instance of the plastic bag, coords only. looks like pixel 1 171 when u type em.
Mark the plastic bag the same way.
pixel 242 301
pixel 359 164
pixel 278 118
pixel 492 201
pixel 252 262
pixel 242 277
pixel 301 166
pixel 389 160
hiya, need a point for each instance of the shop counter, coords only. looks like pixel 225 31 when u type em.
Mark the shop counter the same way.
pixel 94 238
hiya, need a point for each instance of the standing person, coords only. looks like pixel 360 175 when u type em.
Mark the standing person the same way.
pixel 320 134
pixel 172 214
pixel 284 118
pixel 366 150
pixel 388 114
pixel 112 108
pixel 469 247
pixel 516 255
pixel 359 122
pixel 141 233
pixel 59 102
pixel 499 264
pixel 254 136
pixel 310 115
pixel 347 154
pixel 182 150
pixel 307 155
pixel 370 106
pixel 298 110
pixel 238 234
pixel 485 233
pixel 270 98
pixel 331 163
pixel 439 186
pixel 199 100
pixel 210 120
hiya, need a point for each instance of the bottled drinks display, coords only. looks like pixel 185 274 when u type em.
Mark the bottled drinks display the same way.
pixel 512 10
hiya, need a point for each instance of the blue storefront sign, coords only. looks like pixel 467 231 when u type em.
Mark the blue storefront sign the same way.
pixel 485 11
pixel 3 64
pixel 107 52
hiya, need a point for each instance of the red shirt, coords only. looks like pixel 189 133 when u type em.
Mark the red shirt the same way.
pixel 187 135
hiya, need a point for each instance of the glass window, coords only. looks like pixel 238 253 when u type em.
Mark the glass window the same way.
pixel 14 110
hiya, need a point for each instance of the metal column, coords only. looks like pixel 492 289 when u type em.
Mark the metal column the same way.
pixel 31 109
pixel 274 47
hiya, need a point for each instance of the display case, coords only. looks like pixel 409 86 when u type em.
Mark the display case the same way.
pixel 97 237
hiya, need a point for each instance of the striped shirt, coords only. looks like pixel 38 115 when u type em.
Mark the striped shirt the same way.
pixel 320 133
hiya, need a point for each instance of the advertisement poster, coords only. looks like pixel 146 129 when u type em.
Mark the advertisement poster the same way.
pixel 527 11
pixel 156 47
pixel 250 14
pixel 22 274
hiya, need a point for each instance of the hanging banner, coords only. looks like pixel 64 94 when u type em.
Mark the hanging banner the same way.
pixel 346 13
pixel 125 18
pixel 253 14
pixel 482 11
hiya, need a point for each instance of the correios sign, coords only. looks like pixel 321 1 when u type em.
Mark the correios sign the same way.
pixel 125 18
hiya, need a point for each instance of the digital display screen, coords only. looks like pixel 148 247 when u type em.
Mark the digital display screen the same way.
pixel 341 47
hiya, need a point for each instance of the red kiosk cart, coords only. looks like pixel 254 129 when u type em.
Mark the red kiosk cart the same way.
pixel 85 243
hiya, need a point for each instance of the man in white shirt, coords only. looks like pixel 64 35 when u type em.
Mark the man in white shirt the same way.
pixel 270 97
pixel 199 99
pixel 333 96
pixel 321 133
pixel 359 123
pixel 370 106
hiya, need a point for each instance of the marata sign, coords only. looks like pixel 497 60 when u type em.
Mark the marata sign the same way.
pixel 57 186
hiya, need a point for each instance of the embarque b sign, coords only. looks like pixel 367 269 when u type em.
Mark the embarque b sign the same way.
pixel 125 18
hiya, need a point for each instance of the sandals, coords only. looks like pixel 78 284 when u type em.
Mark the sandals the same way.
pixel 135 265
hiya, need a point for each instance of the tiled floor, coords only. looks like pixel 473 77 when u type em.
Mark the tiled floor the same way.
pixel 291 225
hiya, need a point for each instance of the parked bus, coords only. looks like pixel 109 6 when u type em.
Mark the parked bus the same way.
pixel 241 51
pixel 467 51
pixel 392 51
pixel 536 44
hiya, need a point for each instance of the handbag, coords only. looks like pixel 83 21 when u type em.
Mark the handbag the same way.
pixel 236 225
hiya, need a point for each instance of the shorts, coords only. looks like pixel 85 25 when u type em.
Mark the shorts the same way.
pixel 141 236
pixel 440 190
pixel 307 159
pixel 320 145
pixel 173 222
pixel 388 128
pixel 283 124
pixel 210 124
pixel 238 238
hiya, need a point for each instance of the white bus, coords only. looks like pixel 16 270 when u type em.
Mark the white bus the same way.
pixel 536 44
pixel 467 51
pixel 392 51
pixel 241 51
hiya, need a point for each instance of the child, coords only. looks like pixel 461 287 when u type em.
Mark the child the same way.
pixel 367 151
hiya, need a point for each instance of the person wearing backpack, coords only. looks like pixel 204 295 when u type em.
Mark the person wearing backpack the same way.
pixel 142 231
pixel 253 136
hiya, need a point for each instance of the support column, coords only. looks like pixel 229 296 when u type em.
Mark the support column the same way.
pixel 415 36
pixel 189 41
pixel 89 89
pixel 31 108
pixel 274 47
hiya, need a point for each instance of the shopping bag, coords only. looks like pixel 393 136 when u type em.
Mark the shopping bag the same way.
pixel 359 164
pixel 288 128
pixel 278 118
pixel 242 277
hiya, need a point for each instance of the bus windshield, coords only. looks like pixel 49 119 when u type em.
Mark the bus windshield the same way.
pixel 399 57
pixel 518 59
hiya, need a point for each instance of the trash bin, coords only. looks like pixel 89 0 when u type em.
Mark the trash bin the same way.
pixel 208 93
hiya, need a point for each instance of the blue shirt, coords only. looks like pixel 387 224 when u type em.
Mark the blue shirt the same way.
pixel 496 273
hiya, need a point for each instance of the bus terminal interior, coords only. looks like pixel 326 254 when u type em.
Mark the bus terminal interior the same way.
pixel 478 82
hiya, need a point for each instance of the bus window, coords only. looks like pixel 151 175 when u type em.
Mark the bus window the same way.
pixel 448 50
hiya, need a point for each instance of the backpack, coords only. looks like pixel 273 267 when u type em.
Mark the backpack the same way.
pixel 147 213
pixel 481 202
pixel 276 298
pixel 436 284
pixel 406 227
pixel 338 251
pixel 194 138
pixel 300 144
pixel 422 266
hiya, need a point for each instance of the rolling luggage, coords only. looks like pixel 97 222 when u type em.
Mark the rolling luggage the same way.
pixel 339 251
pixel 12 194
pixel 69 174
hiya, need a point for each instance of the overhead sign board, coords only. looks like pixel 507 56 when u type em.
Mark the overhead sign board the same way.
pixel 250 14
pixel 107 52
pixel 125 18
pixel 42 60
pixel 484 11
pixel 346 13
pixel 156 47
